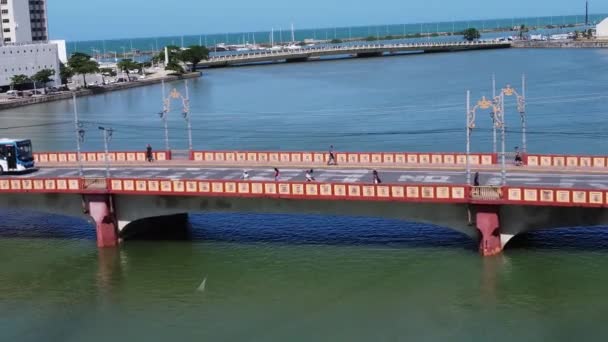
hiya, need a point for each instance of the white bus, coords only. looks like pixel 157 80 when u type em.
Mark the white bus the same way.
pixel 16 155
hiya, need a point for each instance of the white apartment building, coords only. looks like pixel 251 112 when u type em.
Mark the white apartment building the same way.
pixel 23 21
pixel 28 59
pixel 24 46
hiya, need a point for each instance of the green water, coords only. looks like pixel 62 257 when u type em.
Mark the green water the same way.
pixel 68 291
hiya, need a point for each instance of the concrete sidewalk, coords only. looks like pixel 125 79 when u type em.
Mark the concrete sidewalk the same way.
pixel 290 165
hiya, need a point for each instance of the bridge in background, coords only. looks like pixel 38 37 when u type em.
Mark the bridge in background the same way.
pixel 360 50
pixel 548 191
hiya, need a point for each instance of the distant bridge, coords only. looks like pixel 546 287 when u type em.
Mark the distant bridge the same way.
pixel 361 50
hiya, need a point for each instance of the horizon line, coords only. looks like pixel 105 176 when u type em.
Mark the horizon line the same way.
pixel 326 28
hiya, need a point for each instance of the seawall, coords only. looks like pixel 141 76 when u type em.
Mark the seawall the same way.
pixel 94 91
pixel 561 44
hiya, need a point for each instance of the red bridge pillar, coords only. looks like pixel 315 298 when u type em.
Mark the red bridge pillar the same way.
pixel 99 207
pixel 488 223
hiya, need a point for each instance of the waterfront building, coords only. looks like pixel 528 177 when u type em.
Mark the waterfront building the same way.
pixel 24 41
pixel 27 59
pixel 601 30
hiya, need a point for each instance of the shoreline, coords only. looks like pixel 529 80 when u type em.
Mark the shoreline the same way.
pixel 94 91
pixel 560 44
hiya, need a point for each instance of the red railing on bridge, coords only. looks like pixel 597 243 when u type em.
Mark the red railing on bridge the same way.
pixel 122 156
pixel 509 195
pixel 343 158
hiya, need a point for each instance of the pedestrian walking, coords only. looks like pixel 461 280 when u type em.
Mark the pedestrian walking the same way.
pixel 245 175
pixel 309 175
pixel 518 159
pixel 476 179
pixel 277 174
pixel 376 177
pixel 149 156
pixel 332 156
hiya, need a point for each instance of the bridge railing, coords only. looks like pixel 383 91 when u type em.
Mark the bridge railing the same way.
pixel 97 157
pixel 434 193
pixel 342 158
pixel 337 48
pixel 486 193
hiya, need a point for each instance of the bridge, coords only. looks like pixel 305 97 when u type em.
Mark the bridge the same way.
pixel 547 191
pixel 360 50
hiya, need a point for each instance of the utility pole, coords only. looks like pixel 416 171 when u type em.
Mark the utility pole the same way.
pixel 468 127
pixel 186 113
pixel 522 110
pixel 493 114
pixel 502 124
pixel 107 135
pixel 79 136
pixel 163 116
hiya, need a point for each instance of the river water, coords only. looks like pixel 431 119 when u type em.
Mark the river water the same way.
pixel 273 277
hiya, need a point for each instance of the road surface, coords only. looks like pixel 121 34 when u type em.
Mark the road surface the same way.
pixel 522 178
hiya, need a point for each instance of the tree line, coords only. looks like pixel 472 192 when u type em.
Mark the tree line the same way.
pixel 82 64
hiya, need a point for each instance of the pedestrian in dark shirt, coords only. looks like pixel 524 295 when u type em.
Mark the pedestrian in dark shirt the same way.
pixel 149 156
pixel 518 159
pixel 309 175
pixel 332 156
pixel 476 179
pixel 276 174
pixel 376 177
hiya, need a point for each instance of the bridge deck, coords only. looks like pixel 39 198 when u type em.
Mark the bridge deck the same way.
pixel 488 176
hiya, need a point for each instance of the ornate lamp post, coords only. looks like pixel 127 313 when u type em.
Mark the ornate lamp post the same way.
pixel 521 108
pixel 497 116
pixel 176 95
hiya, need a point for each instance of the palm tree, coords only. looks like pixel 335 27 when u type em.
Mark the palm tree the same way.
pixel 126 65
pixel 18 80
pixel 82 64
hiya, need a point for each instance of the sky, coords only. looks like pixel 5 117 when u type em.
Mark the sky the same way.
pixel 110 19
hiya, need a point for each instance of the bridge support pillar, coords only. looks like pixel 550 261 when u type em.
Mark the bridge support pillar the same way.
pixel 99 207
pixel 488 223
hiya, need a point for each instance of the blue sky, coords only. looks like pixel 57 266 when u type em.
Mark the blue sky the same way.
pixel 107 19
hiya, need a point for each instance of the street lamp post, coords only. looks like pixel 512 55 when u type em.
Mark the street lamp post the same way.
pixel 163 116
pixel 176 95
pixel 521 108
pixel 79 136
pixel 107 135
pixel 186 114
pixel 483 103
pixel 493 114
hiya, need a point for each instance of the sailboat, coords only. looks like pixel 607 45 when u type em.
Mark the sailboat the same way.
pixel 292 45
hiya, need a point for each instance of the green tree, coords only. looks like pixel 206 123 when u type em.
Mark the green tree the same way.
pixel 471 34
pixel 44 76
pixel 194 55
pixel 336 41
pixel 175 67
pixel 522 31
pixel 65 72
pixel 174 51
pixel 82 64
pixel 18 80
pixel 126 65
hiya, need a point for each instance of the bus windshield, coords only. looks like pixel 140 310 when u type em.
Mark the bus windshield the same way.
pixel 24 150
